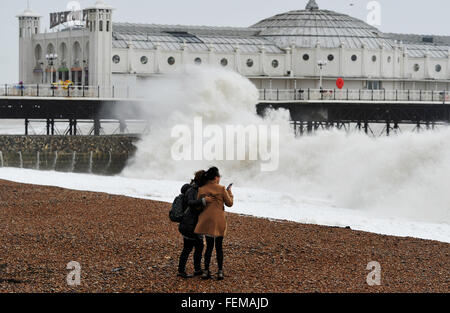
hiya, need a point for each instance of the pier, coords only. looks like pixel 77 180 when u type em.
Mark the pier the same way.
pixel 310 109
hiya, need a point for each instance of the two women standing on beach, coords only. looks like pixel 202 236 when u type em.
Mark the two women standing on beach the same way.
pixel 207 211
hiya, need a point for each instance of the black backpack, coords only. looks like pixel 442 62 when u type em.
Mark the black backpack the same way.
pixel 177 211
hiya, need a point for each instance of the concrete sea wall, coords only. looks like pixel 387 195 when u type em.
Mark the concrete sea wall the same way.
pixel 102 155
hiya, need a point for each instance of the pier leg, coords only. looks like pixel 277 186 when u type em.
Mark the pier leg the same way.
pixel 53 126
pixel 123 126
pixel 27 122
pixel 396 128
pixel 366 128
pixel 97 126
pixel 70 127
pixel 74 122
pixel 48 127
pixel 310 127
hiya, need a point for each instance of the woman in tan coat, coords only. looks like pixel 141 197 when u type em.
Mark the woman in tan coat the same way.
pixel 212 221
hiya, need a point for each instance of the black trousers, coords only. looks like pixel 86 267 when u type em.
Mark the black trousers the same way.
pixel 190 244
pixel 210 243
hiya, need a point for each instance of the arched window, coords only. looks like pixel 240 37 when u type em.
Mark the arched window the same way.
pixel 100 27
pixel 77 53
pixel 38 55
pixel 63 52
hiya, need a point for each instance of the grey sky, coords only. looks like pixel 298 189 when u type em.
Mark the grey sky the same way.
pixel 400 16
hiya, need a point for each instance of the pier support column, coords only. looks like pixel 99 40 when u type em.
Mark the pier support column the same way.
pixel 70 127
pixel 52 123
pixel 309 127
pixel 122 126
pixel 74 123
pixel 97 126
pixel 48 127
pixel 27 122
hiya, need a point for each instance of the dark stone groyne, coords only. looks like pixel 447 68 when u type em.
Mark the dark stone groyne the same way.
pixel 103 155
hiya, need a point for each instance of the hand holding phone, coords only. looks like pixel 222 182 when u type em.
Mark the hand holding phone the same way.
pixel 229 186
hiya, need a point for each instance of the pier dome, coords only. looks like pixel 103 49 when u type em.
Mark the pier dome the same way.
pixel 312 26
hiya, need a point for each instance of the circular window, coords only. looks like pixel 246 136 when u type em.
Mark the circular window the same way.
pixel 198 61
pixel 438 68
pixel 374 58
pixel 224 62
pixel 330 57
pixel 171 61
pixel 249 62
pixel 275 63
pixel 416 67
pixel 306 57
pixel 389 59
pixel 116 59
pixel 354 58
pixel 144 60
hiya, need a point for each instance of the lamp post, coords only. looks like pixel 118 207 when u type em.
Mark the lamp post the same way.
pixel 321 65
pixel 42 68
pixel 51 58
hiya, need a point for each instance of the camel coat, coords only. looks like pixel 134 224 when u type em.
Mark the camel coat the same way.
pixel 212 220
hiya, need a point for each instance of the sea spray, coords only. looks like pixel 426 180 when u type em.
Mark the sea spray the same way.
pixel 55 161
pixel 404 175
pixel 109 161
pixel 90 162
pixel 20 159
pixel 38 157
pixel 74 157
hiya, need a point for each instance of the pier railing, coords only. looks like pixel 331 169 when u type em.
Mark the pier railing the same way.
pixel 129 92
pixel 71 91
pixel 352 95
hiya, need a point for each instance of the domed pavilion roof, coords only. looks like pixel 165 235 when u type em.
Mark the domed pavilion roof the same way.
pixel 312 26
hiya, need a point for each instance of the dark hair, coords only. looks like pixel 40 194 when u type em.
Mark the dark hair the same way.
pixel 210 174
pixel 198 179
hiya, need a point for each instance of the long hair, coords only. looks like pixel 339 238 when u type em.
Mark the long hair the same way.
pixel 199 178
pixel 210 174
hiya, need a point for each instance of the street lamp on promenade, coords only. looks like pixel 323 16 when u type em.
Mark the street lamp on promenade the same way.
pixel 51 58
pixel 321 65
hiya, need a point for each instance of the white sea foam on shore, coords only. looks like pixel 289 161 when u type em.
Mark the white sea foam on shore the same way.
pixel 254 202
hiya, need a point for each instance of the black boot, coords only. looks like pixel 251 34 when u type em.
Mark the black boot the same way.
pixel 206 274
pixel 219 275
pixel 198 273
pixel 183 275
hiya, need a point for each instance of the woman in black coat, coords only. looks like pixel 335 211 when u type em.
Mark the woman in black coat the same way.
pixel 188 224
